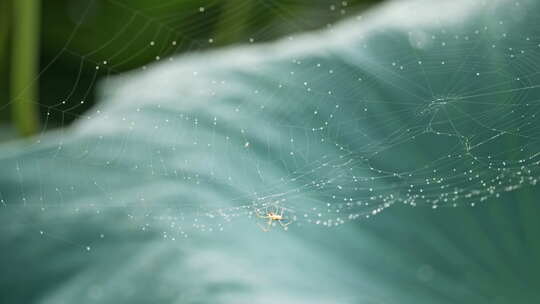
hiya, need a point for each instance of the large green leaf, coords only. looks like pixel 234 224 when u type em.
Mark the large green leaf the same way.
pixel 421 113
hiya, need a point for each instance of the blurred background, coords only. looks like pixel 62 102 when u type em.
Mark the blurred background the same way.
pixel 152 199
pixel 52 53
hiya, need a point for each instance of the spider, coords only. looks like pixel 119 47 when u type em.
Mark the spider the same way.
pixel 272 216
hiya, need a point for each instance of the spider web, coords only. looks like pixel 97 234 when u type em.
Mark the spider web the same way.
pixel 333 128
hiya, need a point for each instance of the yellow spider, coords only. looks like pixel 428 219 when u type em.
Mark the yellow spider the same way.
pixel 272 216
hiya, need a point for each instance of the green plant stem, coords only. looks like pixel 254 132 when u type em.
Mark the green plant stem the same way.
pixel 24 65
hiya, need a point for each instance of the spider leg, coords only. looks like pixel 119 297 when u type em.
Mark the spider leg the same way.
pixel 284 225
pixel 262 228
pixel 259 214
pixel 268 226
pixel 284 222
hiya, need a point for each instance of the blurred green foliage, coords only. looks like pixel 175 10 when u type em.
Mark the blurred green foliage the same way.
pixel 85 40
pixel 4 30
